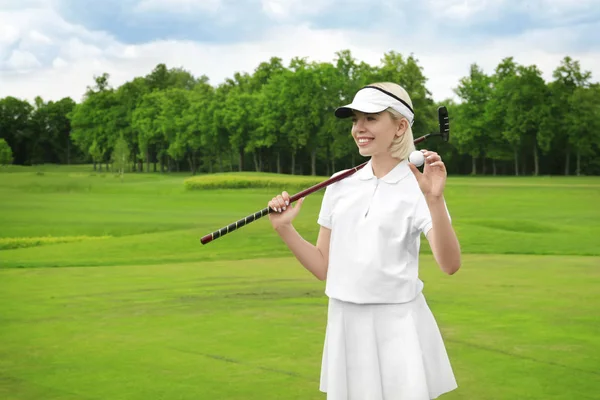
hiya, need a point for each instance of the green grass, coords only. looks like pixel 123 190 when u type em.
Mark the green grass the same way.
pixel 106 292
pixel 152 218
pixel 254 329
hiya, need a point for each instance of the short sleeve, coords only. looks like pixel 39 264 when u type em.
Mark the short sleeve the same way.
pixel 423 220
pixel 326 209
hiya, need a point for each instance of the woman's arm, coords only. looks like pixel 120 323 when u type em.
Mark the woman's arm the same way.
pixel 442 238
pixel 313 258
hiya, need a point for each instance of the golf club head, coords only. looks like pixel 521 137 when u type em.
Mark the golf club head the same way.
pixel 444 122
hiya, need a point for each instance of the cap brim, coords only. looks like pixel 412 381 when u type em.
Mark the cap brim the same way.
pixel 348 110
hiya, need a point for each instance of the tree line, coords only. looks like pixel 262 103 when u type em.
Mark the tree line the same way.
pixel 280 119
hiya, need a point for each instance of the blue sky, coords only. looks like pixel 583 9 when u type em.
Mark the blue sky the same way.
pixel 53 48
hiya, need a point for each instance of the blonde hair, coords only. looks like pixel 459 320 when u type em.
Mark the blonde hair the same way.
pixel 401 146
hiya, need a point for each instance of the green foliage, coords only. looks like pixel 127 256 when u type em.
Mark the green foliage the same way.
pixel 120 156
pixel 247 181
pixel 279 118
pixel 6 155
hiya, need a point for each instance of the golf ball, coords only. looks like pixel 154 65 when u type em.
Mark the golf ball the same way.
pixel 417 158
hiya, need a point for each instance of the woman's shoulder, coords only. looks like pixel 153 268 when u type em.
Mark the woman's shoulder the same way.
pixel 341 183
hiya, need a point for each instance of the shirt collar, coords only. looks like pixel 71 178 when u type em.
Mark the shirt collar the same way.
pixel 399 172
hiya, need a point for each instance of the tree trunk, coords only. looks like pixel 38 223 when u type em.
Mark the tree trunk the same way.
pixel 536 161
pixel 494 169
pixel 293 163
pixel 473 165
pixel 68 152
pixel 568 161
pixel 147 160
pixel 578 162
pixel 241 160
pixel 279 162
pixel 313 162
pixel 94 165
pixel 220 156
pixel 516 162
pixel 483 166
pixel 192 166
pixel 257 162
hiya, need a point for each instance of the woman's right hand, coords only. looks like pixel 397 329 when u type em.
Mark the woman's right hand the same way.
pixel 282 212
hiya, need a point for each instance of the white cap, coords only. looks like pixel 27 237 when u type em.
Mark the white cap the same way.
pixel 371 99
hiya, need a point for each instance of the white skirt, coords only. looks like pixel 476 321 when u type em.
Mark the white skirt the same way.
pixel 384 352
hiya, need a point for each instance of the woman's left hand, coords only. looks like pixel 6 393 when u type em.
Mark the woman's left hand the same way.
pixel 433 178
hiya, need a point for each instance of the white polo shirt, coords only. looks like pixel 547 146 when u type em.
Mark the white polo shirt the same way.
pixel 375 236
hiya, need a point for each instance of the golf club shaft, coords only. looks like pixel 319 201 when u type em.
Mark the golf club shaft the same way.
pixel 444 133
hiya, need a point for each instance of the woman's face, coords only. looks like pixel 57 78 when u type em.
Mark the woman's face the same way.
pixel 374 133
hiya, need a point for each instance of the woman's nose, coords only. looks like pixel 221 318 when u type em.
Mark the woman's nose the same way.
pixel 359 125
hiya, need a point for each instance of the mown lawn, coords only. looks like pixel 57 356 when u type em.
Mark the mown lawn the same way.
pixel 106 292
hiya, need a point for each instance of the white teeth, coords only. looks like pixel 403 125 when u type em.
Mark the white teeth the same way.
pixel 364 140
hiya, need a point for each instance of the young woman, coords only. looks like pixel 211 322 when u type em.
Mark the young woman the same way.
pixel 382 341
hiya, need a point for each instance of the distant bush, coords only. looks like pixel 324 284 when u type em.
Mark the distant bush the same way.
pixel 19 243
pixel 6 155
pixel 276 182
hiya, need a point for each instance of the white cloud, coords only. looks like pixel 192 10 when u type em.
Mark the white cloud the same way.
pixel 55 58
pixel 480 11
pixel 22 61
pixel 59 63
pixel 178 6
pixel 459 9
pixel 36 36
pixel 287 9
pixel 9 34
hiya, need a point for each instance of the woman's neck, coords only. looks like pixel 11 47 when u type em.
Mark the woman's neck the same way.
pixel 383 164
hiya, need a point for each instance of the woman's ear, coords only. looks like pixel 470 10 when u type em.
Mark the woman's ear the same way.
pixel 401 127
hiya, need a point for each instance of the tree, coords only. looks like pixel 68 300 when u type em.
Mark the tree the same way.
pixel 60 130
pixel 145 121
pixel 584 122
pixel 567 78
pixel 282 116
pixel 15 127
pixel 129 98
pixel 120 156
pixel 528 113
pixel 95 121
pixel 6 156
pixel 470 128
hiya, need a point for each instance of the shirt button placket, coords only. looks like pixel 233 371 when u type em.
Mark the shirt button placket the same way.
pixel 372 197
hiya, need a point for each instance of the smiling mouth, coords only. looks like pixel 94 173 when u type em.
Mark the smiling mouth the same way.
pixel 364 141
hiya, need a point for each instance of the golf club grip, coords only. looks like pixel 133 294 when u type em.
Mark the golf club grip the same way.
pixel 267 210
